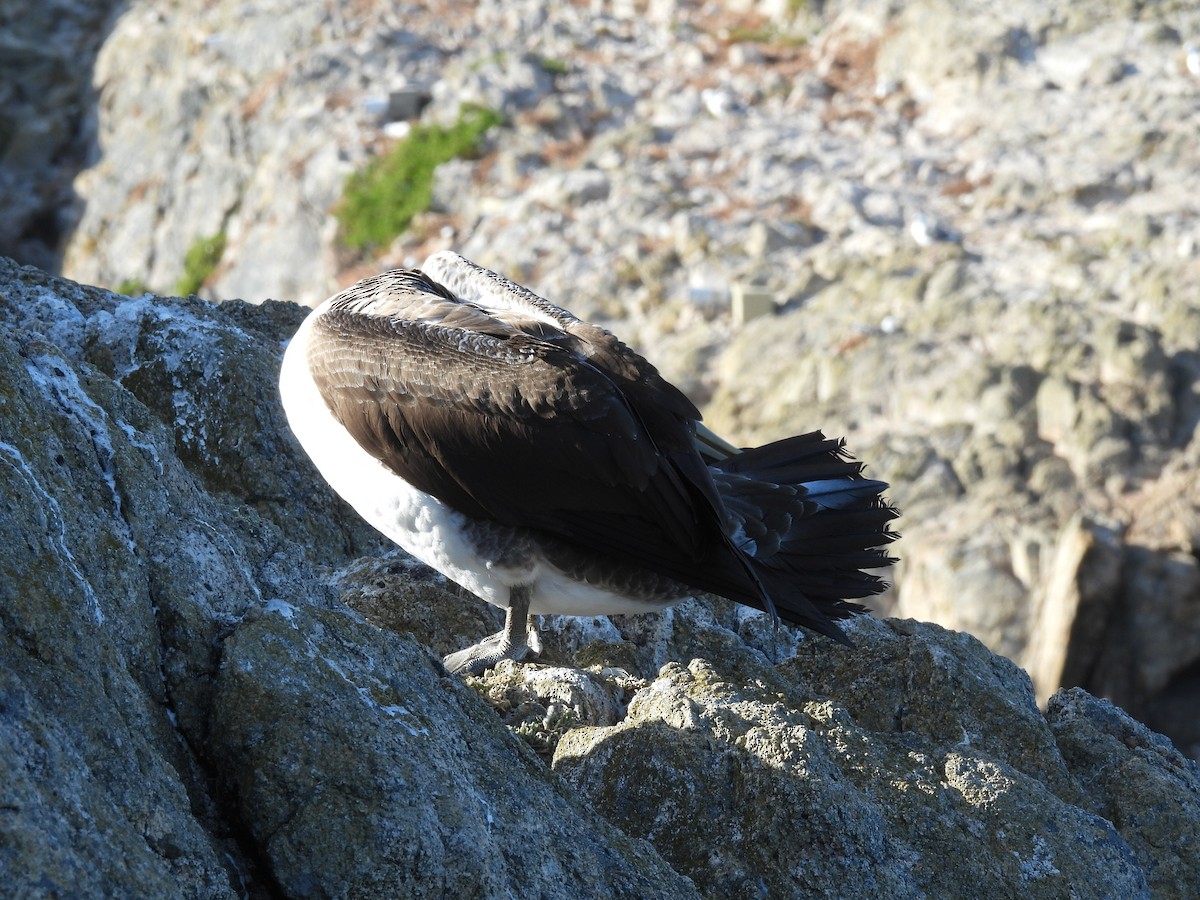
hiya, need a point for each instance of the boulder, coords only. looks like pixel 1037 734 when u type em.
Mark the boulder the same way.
pixel 825 776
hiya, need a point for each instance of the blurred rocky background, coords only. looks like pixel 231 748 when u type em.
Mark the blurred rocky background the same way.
pixel 965 235
pixel 47 51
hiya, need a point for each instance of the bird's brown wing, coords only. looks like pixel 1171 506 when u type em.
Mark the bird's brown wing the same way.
pixel 514 428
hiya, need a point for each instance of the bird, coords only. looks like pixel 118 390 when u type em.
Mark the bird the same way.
pixel 927 231
pixel 1190 60
pixel 548 468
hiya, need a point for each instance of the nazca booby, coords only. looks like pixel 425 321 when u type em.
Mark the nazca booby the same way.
pixel 546 467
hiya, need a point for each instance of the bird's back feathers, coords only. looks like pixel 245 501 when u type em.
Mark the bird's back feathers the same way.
pixel 509 409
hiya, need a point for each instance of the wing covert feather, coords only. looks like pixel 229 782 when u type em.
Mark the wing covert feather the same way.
pixel 504 426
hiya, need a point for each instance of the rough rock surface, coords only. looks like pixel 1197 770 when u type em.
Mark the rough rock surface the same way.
pixel 755 783
pixel 410 788
pixel 196 700
pixel 1029 382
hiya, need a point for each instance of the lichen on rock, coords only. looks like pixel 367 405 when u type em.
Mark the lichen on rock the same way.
pixel 764 779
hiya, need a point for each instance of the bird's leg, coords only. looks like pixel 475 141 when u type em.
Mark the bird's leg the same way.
pixel 533 640
pixel 517 641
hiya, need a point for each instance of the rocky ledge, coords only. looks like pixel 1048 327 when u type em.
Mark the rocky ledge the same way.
pixel 216 682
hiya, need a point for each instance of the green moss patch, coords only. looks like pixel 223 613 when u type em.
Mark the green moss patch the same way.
pixel 380 200
pixel 202 258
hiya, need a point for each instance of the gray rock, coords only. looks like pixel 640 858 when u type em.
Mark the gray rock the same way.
pixel 1073 608
pixel 939 779
pixel 916 725
pixel 572 189
pixel 428 792
pixel 224 128
pixel 208 375
pixel 1126 769
pixel 103 796
pixel 965 578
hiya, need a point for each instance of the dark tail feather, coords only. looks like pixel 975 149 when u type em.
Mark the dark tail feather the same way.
pixel 805 457
pixel 809 523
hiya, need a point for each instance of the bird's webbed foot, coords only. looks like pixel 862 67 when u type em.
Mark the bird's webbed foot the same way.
pixel 518 641
pixel 477 658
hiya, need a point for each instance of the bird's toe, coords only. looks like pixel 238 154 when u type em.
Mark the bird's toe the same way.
pixel 478 658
